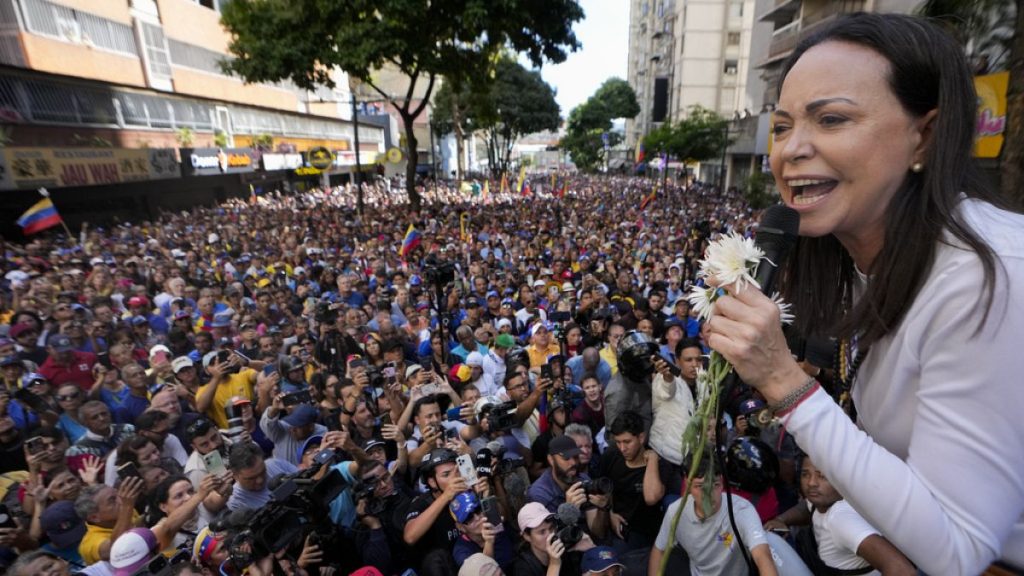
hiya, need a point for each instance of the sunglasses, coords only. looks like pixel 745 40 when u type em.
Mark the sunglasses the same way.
pixel 198 428
pixel 63 398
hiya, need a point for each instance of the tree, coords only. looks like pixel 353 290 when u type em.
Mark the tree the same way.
pixel 458 111
pixel 701 135
pixel 305 40
pixel 758 190
pixel 589 122
pixel 986 30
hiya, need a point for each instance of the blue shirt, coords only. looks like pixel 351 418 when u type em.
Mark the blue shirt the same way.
pixel 242 499
pixel 603 372
pixel 545 491
pixel 73 430
pixel 114 400
pixel 343 508
pixel 130 409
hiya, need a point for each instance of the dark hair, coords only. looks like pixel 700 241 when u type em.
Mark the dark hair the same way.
pixel 244 455
pixel 127 451
pixel 705 464
pixel 149 419
pixel 928 71
pixel 628 421
pixel 160 494
pixel 432 399
pixel 687 343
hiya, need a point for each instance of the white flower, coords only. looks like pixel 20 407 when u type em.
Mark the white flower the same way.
pixel 732 259
pixel 704 386
pixel 785 314
pixel 703 301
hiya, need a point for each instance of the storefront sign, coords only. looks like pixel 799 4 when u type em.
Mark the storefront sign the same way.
pixel 320 158
pixel 281 161
pixel 58 167
pixel 213 161
pixel 991 122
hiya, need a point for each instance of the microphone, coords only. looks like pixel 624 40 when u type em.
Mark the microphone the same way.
pixel 568 514
pixel 776 235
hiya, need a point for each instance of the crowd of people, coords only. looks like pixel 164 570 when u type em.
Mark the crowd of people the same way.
pixel 273 386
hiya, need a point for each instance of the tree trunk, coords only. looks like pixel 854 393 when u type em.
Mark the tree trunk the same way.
pixel 459 138
pixel 411 162
pixel 1013 144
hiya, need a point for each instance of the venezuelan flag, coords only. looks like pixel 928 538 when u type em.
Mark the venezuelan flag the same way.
pixel 39 217
pixel 648 199
pixel 410 242
pixel 522 179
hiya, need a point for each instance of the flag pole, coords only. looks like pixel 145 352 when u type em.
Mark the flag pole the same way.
pixel 46 194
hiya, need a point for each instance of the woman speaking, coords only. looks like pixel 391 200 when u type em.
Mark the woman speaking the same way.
pixel 918 272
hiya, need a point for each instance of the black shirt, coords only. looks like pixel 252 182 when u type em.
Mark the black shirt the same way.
pixel 528 565
pixel 442 533
pixel 628 496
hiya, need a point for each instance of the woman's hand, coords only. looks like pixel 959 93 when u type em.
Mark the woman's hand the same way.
pixel 90 471
pixel 747 331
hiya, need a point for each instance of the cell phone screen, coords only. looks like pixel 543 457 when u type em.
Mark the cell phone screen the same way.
pixel 214 463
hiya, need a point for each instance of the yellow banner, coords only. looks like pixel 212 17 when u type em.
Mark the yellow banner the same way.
pixel 991 122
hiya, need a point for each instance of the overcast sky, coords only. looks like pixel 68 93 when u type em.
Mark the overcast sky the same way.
pixel 604 34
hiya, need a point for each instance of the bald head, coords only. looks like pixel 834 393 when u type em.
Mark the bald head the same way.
pixel 591 358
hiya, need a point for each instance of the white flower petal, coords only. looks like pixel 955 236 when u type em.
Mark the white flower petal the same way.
pixel 785 309
pixel 732 259
pixel 702 299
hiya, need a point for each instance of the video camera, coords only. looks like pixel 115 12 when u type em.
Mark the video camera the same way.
pixel 299 505
pixel 438 272
pixel 326 312
pixel 501 417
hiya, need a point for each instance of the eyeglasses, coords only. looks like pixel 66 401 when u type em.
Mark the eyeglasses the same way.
pixel 198 428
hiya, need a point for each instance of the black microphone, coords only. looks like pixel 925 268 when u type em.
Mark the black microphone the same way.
pixel 568 514
pixel 776 235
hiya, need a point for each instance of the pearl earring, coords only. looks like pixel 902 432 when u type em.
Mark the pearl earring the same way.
pixel 916 167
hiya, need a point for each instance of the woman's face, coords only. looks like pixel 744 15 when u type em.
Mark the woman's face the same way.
pixel 373 347
pixel 179 493
pixel 65 486
pixel 148 455
pixel 843 148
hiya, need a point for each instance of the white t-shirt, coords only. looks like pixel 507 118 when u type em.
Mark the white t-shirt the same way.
pixel 839 532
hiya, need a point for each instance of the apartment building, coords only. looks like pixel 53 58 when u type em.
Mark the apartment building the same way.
pixel 129 75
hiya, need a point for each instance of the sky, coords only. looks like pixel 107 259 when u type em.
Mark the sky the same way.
pixel 604 34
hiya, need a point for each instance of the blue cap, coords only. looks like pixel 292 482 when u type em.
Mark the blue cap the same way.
pixel 310 442
pixel 303 415
pixel 492 294
pixel 599 559
pixel 463 506
pixel 139 320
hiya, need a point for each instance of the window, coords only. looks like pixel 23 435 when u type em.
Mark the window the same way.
pixel 736 9
pixel 156 50
pixel 733 38
pixel 42 17
pixel 211 4
pixel 731 67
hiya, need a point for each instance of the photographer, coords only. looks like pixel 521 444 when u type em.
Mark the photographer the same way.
pixel 430 529
pixel 252 474
pixel 333 345
pixel 289 431
pixel 565 482
pixel 228 378
pixel 543 552
pixel 381 505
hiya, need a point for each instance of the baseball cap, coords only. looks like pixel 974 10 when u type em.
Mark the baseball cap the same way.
pixel 480 564
pixel 411 370
pixel 568 287
pixel 463 506
pixel 61 343
pixel 372 443
pixel 750 405
pixel 18 329
pixel 474 358
pixel 493 294
pixel 303 415
pixel 503 322
pixel 133 550
pixel 180 363
pixel 598 559
pixel 533 514
pixel 137 301
pixel 62 525
pixel 537 283
pixel 563 446
pixel 181 314
pixel 460 373
pixel 537 326
pixel 472 302
pixel 10 360
pixel 158 348
pixel 508 302
pixel 504 341
pixel 313 441
pixel 138 320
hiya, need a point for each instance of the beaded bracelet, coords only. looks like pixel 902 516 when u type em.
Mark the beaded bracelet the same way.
pixel 795 397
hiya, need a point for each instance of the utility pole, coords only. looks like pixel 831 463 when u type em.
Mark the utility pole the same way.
pixel 356 178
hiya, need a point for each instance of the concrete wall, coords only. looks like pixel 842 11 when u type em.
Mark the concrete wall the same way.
pixel 57 57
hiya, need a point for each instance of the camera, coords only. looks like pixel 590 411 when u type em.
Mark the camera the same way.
pixel 326 313
pixel 501 417
pixel 439 273
pixel 598 486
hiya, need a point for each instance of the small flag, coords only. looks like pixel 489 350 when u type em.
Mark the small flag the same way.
pixel 526 190
pixel 410 242
pixel 487 187
pixel 640 153
pixel 39 217
pixel 648 199
pixel 522 179
pixel 252 194
pixel 504 184
pixel 464 227
pixel 565 188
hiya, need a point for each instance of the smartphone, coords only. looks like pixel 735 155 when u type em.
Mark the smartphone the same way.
pixel 214 463
pixel 31 401
pixel 429 389
pixel 467 468
pixel 295 398
pixel 451 434
pixel 546 371
pixel 491 512
pixel 245 358
pixel 454 413
pixel 127 470
pixel 357 363
pixel 389 372
pixel 6 520
pixel 35 445
pixel 672 368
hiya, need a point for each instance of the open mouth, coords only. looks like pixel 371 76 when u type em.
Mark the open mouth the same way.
pixel 810 190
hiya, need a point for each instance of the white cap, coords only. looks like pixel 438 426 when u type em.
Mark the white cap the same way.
pixel 180 363
pixel 475 359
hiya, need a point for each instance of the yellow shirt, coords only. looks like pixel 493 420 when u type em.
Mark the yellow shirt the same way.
pixel 608 356
pixel 240 384
pixel 89 547
pixel 540 357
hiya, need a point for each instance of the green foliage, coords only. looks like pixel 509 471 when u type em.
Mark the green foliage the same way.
pixel 758 190
pixel 304 40
pixel 264 141
pixel 185 136
pixel 588 121
pixel 699 136
pixel 984 27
